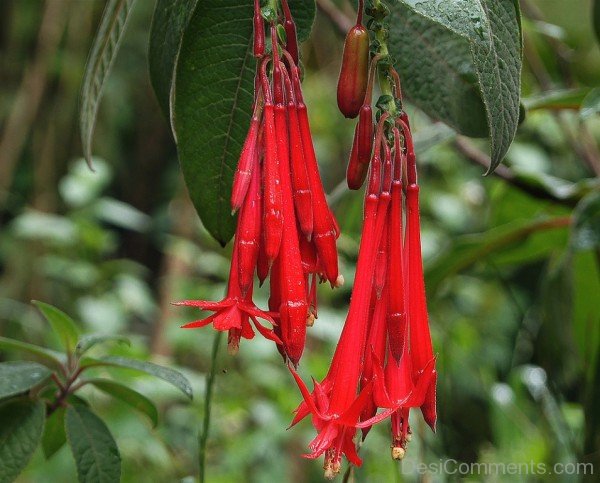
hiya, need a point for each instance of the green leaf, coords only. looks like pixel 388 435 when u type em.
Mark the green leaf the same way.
pixel 168 24
pixel 468 250
pixel 558 99
pixel 18 377
pixel 129 396
pixel 165 373
pixel 47 357
pixel 214 87
pixel 21 426
pixel 591 104
pixel 94 449
pixel 54 433
pixel 100 61
pixel 586 225
pixel 89 341
pixel 461 62
pixel 63 325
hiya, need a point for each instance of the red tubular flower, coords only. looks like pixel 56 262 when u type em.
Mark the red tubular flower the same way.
pixel 273 219
pixel 249 229
pixel 234 312
pixel 259 31
pixel 248 159
pixel 293 309
pixel 324 229
pixel 397 318
pixel 300 181
pixel 420 338
pixel 334 404
pixel 376 344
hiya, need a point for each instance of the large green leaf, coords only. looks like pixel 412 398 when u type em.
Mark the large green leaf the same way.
pixel 54 433
pixel 128 396
pixel 94 449
pixel 213 100
pixel 17 377
pixel 168 24
pixel 89 341
pixel 165 373
pixel 46 356
pixel 100 61
pixel 469 250
pixel 21 426
pixel 63 325
pixel 460 62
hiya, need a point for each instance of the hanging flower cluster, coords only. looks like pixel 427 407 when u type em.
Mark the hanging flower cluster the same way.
pixel 384 358
pixel 285 229
pixel 384 363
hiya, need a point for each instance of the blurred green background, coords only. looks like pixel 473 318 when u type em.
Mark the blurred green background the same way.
pixel 512 261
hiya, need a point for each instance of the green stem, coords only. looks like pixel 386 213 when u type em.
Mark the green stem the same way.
pixel 210 380
pixel 385 85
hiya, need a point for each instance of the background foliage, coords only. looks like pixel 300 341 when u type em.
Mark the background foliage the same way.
pixel 512 259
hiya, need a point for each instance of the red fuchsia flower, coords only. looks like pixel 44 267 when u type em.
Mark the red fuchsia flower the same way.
pixel 285 227
pixel 233 313
pixel 334 404
pixel 420 337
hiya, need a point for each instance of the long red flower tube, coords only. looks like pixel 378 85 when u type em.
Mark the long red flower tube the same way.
pixel 285 227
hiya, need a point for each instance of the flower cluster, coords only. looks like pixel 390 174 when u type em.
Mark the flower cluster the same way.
pixel 384 358
pixel 285 229
pixel 383 364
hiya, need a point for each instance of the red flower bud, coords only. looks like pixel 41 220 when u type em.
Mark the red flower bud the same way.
pixel 354 74
pixel 290 32
pixel 365 134
pixel 248 160
pixel 356 172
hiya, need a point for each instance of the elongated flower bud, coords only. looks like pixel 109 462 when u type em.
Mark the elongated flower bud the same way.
pixel 354 74
pixel 365 134
pixel 248 159
pixel 250 224
pixel 357 171
pixel 291 44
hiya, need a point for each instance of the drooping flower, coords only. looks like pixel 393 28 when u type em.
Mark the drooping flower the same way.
pixel 233 313
pixel 285 227
pixel 335 404
pixel 384 363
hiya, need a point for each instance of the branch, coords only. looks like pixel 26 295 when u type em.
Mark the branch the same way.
pixel 340 20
